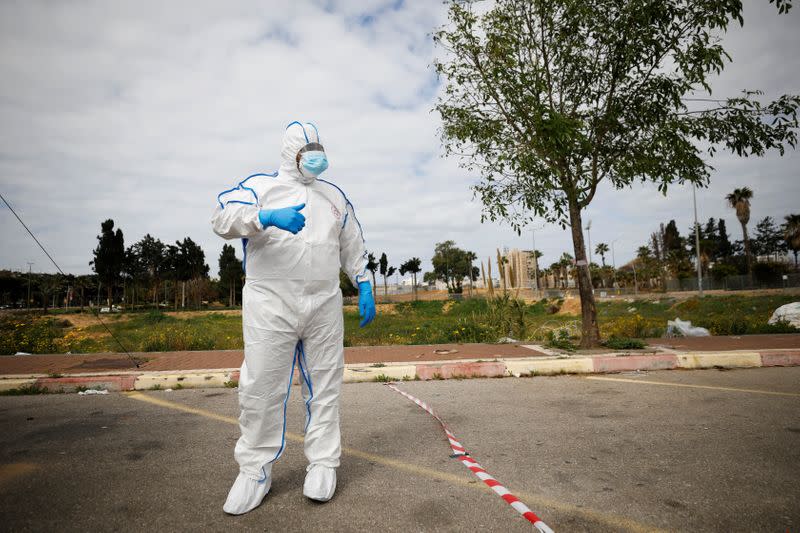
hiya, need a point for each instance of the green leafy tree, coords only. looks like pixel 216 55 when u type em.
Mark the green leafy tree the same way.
pixel 791 234
pixel 152 255
pixel 170 266
pixel 389 273
pixel 109 257
pixel 190 264
pixel 451 265
pixel 429 278
pixel 230 272
pixel 548 99
pixel 385 270
pixel 739 200
pixel 724 246
pixel 134 272
pixel 413 267
pixel 769 238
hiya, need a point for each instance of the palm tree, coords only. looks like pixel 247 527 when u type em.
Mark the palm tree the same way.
pixel 791 233
pixel 602 249
pixel 739 200
pixel 372 266
pixel 412 266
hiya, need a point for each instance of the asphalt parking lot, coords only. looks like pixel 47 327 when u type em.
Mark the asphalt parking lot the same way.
pixel 704 450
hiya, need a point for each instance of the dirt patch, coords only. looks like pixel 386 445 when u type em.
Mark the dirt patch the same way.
pixel 571 306
pixel 183 315
pixel 381 309
pixel 85 320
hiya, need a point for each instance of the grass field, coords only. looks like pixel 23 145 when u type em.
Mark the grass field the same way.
pixel 421 322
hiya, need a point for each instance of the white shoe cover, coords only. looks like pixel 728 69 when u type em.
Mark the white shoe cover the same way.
pixel 246 494
pixel 320 483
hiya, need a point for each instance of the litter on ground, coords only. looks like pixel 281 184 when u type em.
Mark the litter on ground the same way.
pixel 789 313
pixel 684 328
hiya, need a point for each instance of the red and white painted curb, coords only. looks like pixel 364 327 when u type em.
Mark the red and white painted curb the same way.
pixel 460 453
pixel 516 367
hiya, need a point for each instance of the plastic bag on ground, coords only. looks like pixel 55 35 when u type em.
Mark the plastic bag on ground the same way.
pixel 684 328
pixel 789 313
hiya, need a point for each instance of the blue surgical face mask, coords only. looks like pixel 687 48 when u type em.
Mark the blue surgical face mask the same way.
pixel 314 163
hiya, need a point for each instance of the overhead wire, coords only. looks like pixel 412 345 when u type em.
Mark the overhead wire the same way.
pixel 97 315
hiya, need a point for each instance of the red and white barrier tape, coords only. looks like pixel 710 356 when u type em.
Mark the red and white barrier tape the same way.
pixel 460 453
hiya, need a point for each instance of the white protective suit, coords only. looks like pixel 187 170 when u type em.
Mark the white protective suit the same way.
pixel 292 314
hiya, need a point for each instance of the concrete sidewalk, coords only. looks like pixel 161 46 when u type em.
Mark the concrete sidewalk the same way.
pixel 164 370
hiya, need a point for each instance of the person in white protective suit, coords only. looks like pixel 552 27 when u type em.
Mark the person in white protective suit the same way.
pixel 297 232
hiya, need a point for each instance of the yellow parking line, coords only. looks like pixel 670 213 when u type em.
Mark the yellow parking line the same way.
pixel 10 471
pixel 732 389
pixel 616 521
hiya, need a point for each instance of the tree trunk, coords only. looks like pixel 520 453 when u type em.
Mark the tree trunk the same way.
pixel 414 278
pixel 747 253
pixel 109 290
pixel 590 333
pixel 183 294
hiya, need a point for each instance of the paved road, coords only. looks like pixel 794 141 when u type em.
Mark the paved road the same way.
pixel 693 451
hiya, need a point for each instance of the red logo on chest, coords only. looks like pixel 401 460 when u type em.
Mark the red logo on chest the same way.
pixel 336 213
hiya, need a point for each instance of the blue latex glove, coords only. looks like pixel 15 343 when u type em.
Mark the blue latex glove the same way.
pixel 366 303
pixel 287 218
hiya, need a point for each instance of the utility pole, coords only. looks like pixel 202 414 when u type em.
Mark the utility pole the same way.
pixel 535 263
pixel 614 260
pixel 589 239
pixel 29 286
pixel 697 244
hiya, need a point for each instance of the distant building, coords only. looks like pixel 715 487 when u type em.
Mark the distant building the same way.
pixel 519 268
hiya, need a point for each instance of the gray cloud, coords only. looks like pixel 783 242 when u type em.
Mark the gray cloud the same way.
pixel 142 112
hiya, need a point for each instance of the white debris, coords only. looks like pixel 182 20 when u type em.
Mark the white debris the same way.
pixel 89 392
pixel 22 353
pixel 507 340
pixel 631 309
pixel 684 328
pixel 789 313
pixel 167 390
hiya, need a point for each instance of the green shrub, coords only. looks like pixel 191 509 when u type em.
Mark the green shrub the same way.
pixel 560 339
pixel 624 343
pixel 506 316
pixel 24 391
pixel 154 316
pixel 634 326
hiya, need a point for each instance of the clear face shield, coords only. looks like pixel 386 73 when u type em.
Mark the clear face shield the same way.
pixel 311 161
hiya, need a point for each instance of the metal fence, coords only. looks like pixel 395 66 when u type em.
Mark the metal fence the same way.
pixel 735 283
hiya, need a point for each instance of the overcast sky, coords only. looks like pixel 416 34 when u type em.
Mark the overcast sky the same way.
pixel 143 111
